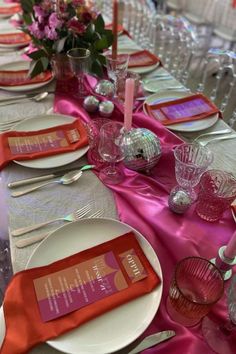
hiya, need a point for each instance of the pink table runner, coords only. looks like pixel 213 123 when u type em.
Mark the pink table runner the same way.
pixel 142 202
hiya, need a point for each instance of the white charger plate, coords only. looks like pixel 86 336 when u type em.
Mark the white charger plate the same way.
pixel 13 45
pixel 7 5
pixel 117 328
pixel 43 122
pixel 193 126
pixel 21 65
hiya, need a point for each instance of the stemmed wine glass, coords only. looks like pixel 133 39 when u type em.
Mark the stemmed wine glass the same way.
pixel 191 160
pixel 79 62
pixel 220 337
pixel 116 67
pixel 111 136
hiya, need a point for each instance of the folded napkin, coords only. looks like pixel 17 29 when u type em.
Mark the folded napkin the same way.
pixel 184 109
pixel 14 38
pixel 21 77
pixel 142 58
pixel 111 274
pixel 233 3
pixel 10 10
pixel 41 143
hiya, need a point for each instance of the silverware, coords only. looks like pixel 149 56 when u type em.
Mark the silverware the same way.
pixel 226 137
pixel 34 239
pixel 42 178
pixel 68 178
pixel 147 342
pixel 36 98
pixel 157 78
pixel 218 132
pixel 75 215
pixel 27 96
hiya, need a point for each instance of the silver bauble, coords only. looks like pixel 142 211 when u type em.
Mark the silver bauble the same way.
pixel 105 88
pixel 91 104
pixel 179 200
pixel 141 148
pixel 106 108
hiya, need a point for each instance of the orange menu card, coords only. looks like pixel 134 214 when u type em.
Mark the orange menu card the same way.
pixel 45 302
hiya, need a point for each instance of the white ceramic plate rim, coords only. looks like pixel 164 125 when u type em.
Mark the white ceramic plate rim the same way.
pixel 193 126
pixel 42 122
pixel 79 236
pixel 21 65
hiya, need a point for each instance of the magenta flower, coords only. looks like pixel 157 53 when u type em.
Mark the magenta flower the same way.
pixel 76 26
pixel 36 30
pixel 54 21
pixel 51 33
pixel 77 3
pixel 40 14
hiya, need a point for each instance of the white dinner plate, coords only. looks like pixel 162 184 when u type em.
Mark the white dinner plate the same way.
pixel 7 5
pixel 12 45
pixel 193 126
pixel 44 122
pixel 121 326
pixel 21 65
pixel 144 69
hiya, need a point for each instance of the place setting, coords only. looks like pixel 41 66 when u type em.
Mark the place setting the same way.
pixel 121 232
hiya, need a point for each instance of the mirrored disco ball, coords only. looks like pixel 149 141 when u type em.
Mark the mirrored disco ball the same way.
pixel 141 148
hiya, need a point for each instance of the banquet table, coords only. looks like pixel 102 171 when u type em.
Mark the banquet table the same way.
pixel 172 236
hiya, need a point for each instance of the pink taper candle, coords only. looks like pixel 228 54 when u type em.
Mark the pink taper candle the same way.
pixel 115 29
pixel 129 102
pixel 230 251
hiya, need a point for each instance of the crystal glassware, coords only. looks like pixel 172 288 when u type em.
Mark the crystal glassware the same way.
pixel 220 336
pixel 93 130
pixel 196 286
pixel 191 160
pixel 217 191
pixel 116 67
pixel 111 136
pixel 79 61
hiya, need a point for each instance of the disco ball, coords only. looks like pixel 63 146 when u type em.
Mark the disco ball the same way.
pixel 141 149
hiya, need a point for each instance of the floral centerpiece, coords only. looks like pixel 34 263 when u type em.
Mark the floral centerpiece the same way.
pixel 55 26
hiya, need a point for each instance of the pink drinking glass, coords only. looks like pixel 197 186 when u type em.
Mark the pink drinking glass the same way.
pixel 217 190
pixel 196 286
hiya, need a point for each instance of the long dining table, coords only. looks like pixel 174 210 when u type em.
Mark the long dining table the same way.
pixel 141 201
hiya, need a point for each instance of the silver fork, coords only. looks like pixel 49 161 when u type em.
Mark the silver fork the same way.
pixel 31 240
pixel 70 217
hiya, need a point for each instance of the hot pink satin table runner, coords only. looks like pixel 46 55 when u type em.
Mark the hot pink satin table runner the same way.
pixel 142 202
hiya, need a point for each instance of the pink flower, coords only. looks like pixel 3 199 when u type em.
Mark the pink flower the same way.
pixel 40 14
pixel 36 30
pixel 76 26
pixel 54 21
pixel 51 33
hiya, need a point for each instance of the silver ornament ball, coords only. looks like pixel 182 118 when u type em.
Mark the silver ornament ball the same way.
pixel 91 104
pixel 105 88
pixel 141 148
pixel 106 108
pixel 179 200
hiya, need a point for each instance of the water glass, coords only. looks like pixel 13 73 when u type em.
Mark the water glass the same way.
pixel 62 70
pixel 116 67
pixel 191 160
pixel 217 190
pixel 111 137
pixel 121 84
pixel 196 286
pixel 93 131
pixel 79 59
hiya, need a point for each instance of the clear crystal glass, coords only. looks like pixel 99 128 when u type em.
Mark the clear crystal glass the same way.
pixel 221 337
pixel 191 160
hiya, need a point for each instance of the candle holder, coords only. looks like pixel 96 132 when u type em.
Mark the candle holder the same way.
pixel 223 263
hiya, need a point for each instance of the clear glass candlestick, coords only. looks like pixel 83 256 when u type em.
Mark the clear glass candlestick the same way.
pixel 219 336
